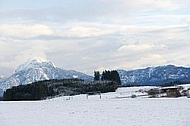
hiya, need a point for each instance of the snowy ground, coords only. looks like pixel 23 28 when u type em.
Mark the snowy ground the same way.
pixel 113 109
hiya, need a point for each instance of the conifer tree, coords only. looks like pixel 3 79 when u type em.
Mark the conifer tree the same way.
pixel 96 75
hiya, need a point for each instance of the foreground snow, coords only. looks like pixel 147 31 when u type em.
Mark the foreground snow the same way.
pixel 113 109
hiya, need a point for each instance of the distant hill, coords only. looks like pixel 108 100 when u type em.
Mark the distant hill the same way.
pixel 35 70
pixel 155 75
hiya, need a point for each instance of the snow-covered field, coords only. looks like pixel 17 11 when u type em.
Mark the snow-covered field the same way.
pixel 113 109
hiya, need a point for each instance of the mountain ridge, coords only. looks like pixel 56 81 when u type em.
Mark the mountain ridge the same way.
pixel 35 70
pixel 159 75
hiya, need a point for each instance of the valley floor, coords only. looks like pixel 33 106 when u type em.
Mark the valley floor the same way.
pixel 111 110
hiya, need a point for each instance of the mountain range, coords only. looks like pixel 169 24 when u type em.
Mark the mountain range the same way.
pixel 155 75
pixel 36 70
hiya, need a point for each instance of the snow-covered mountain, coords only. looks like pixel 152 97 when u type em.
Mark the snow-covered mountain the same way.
pixel 155 75
pixel 36 70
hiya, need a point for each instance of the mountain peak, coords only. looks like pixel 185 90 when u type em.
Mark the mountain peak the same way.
pixel 37 70
pixel 34 63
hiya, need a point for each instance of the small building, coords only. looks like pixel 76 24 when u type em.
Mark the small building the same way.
pixel 173 92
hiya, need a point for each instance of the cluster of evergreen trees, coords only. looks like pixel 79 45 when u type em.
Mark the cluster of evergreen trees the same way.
pixel 107 75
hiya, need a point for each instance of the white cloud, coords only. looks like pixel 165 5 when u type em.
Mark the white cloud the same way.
pixel 136 47
pixel 93 10
pixel 24 30
pixel 151 60
pixel 131 6
pixel 81 31
pixel 161 4
pixel 17 52
pixel 186 19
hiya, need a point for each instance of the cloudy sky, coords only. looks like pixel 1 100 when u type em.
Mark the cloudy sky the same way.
pixel 88 35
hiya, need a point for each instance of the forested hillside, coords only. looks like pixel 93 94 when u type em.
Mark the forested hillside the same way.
pixel 49 88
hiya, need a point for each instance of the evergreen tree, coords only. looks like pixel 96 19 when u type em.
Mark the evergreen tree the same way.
pixel 103 76
pixel 96 75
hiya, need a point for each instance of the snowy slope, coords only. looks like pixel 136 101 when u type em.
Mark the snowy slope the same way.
pixel 107 111
pixel 36 70
pixel 155 75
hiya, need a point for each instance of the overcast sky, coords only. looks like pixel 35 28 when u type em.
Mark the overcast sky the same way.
pixel 88 35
